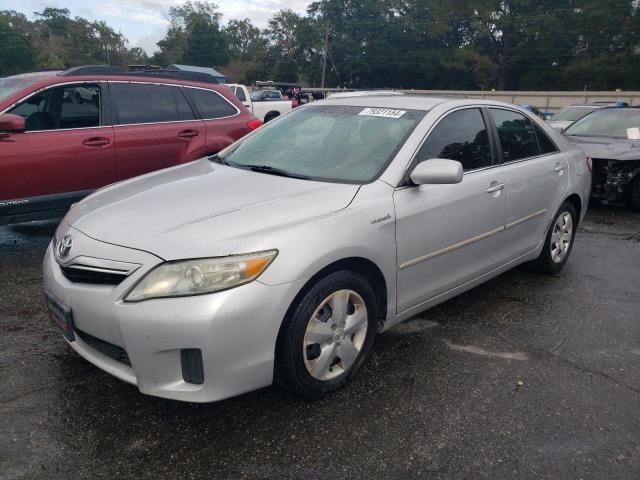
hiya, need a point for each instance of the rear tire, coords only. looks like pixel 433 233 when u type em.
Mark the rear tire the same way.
pixel 558 242
pixel 270 116
pixel 327 335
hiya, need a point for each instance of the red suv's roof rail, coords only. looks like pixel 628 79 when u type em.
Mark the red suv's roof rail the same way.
pixel 95 70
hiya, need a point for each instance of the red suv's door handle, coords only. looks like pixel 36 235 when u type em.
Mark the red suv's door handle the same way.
pixel 188 133
pixel 96 142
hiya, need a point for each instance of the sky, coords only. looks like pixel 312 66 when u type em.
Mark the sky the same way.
pixel 143 22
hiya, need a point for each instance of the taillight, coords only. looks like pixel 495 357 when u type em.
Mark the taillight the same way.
pixel 255 123
pixel 589 163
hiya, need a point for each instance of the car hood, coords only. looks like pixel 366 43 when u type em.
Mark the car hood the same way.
pixel 608 148
pixel 202 209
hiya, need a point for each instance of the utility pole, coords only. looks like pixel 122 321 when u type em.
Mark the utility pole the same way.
pixel 324 55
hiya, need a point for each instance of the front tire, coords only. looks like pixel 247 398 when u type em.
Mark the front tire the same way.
pixel 559 241
pixel 327 335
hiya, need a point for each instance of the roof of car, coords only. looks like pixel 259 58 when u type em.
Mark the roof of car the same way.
pixel 41 75
pixel 410 102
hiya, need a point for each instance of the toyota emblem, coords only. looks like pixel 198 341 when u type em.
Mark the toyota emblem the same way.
pixel 64 247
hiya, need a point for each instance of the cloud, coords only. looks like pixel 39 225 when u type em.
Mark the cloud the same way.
pixel 144 22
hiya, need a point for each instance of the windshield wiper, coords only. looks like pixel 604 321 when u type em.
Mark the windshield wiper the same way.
pixel 218 159
pixel 276 171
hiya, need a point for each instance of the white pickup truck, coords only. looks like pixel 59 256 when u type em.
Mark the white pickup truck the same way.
pixel 264 104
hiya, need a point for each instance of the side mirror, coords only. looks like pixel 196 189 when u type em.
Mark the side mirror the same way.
pixel 10 123
pixel 437 171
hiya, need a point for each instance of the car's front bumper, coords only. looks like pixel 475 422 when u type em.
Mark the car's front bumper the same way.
pixel 235 330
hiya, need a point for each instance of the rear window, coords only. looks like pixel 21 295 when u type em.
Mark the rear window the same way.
pixel 143 103
pixel 210 104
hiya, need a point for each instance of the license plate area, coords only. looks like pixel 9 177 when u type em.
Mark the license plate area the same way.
pixel 61 316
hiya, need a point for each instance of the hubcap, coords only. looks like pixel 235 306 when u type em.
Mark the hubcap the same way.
pixel 335 335
pixel 561 237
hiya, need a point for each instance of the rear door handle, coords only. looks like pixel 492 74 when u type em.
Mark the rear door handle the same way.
pixel 188 133
pixel 559 168
pixel 96 142
pixel 495 188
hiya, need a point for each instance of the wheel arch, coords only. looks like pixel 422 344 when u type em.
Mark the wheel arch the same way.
pixel 270 115
pixel 576 201
pixel 360 265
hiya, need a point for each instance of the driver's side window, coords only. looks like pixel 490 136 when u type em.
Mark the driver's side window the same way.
pixel 74 106
pixel 461 136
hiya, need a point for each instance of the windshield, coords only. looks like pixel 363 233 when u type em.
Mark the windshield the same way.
pixel 327 143
pixel 9 86
pixel 610 123
pixel 572 114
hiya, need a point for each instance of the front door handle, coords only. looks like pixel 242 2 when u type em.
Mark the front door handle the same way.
pixel 96 142
pixel 559 168
pixel 189 133
pixel 495 188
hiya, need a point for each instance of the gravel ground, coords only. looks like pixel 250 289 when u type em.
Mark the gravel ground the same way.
pixel 526 376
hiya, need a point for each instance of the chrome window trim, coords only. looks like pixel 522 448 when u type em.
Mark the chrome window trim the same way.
pixel 155 123
pixel 65 129
pixel 469 241
pixel 526 159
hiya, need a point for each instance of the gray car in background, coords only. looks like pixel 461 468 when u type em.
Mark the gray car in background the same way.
pixel 283 256
pixel 565 117
pixel 611 138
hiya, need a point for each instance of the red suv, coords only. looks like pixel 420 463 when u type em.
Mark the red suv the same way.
pixel 65 133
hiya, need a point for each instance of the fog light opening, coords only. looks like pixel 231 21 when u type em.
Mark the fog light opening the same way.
pixel 192 371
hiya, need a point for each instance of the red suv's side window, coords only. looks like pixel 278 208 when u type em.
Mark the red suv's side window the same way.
pixel 73 106
pixel 143 103
pixel 210 104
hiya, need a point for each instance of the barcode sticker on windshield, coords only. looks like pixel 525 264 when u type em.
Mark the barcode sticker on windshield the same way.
pixel 382 112
pixel 633 133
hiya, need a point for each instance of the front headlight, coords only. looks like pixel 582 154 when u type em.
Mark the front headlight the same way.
pixel 202 275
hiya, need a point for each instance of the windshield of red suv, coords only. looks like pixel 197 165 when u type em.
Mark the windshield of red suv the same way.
pixel 11 85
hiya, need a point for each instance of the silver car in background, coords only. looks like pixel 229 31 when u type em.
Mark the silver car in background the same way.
pixel 568 115
pixel 283 256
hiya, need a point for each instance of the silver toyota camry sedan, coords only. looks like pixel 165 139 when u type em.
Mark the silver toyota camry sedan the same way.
pixel 282 257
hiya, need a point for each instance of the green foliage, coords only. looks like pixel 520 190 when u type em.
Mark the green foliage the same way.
pixel 194 36
pixel 437 44
pixel 16 53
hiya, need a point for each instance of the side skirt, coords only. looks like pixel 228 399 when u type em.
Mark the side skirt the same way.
pixel 42 207
pixel 432 302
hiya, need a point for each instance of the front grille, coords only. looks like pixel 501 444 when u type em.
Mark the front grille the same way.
pixel 107 349
pixel 599 173
pixel 78 274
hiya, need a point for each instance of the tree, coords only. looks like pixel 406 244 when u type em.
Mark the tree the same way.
pixel 16 52
pixel 194 36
